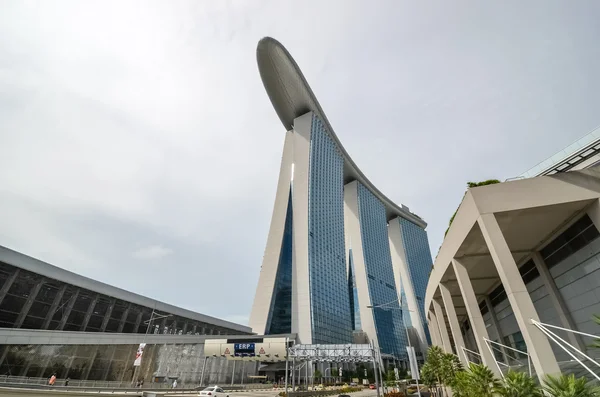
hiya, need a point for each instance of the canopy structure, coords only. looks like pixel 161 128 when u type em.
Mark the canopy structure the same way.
pixel 332 353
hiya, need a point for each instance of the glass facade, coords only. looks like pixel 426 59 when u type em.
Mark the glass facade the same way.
pixel 114 363
pixel 418 258
pixel 389 325
pixel 280 314
pixel 354 306
pixel 29 300
pixel 330 308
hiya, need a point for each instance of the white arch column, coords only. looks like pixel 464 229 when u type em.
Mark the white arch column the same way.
pixel 477 323
pixel 439 314
pixel 459 342
pixel 538 345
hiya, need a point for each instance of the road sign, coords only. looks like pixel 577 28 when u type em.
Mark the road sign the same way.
pixel 261 351
pixel 227 351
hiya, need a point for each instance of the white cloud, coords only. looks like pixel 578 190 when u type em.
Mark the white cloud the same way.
pixel 152 252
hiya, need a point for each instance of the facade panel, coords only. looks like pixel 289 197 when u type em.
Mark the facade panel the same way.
pixel 330 309
pixel 389 324
pixel 418 258
pixel 280 313
pixel 32 301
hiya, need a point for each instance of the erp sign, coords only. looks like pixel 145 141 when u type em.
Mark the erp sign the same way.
pixel 243 350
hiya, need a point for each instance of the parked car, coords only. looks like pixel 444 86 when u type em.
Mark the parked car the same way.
pixel 214 391
pixel 372 387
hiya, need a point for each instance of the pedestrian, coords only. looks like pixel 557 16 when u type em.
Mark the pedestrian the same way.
pixel 138 383
pixel 67 382
pixel 141 383
pixel 52 380
pixel 175 383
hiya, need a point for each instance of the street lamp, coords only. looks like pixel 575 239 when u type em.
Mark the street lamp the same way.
pixel 383 307
pixel 152 318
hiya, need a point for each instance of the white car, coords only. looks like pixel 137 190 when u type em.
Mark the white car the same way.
pixel 214 391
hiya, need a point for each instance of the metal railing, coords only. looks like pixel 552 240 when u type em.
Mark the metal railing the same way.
pixel 23 381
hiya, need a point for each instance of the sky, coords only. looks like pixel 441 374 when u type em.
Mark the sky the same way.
pixel 138 146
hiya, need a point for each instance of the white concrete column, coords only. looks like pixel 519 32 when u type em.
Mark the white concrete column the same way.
pixel 496 326
pixel 475 317
pixel 439 314
pixel 538 345
pixel 431 333
pixel 434 329
pixel 557 301
pixel 459 342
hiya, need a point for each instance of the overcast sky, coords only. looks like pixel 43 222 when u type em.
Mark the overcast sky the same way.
pixel 139 148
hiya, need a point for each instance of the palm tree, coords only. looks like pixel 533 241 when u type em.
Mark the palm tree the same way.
pixel 461 385
pixel 569 386
pixel 483 382
pixel 518 384
pixel 449 366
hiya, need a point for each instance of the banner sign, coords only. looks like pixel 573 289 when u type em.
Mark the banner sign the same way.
pixel 138 355
pixel 412 358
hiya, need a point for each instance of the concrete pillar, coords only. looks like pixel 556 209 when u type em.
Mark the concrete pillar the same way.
pixel 496 325
pixel 459 342
pixel 67 311
pixel 538 345
pixel 435 330
pixel 124 319
pixel 8 283
pixel 32 295
pixel 54 306
pixel 107 315
pixel 475 317
pixel 441 321
pixel 89 312
pixel 557 301
pixel 138 321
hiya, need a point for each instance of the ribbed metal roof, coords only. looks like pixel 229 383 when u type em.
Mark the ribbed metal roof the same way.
pixel 292 97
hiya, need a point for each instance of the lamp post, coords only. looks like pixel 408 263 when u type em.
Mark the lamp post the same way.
pixel 152 318
pixel 383 307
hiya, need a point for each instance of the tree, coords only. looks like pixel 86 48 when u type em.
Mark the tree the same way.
pixel 569 386
pixel 428 375
pixel 433 366
pixel 390 375
pixel 318 375
pixel 449 366
pixel 482 382
pixel 461 385
pixel 518 384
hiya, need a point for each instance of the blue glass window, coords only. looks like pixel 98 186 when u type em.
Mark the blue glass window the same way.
pixel 329 296
pixel 354 306
pixel 378 263
pixel 280 315
pixel 418 257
